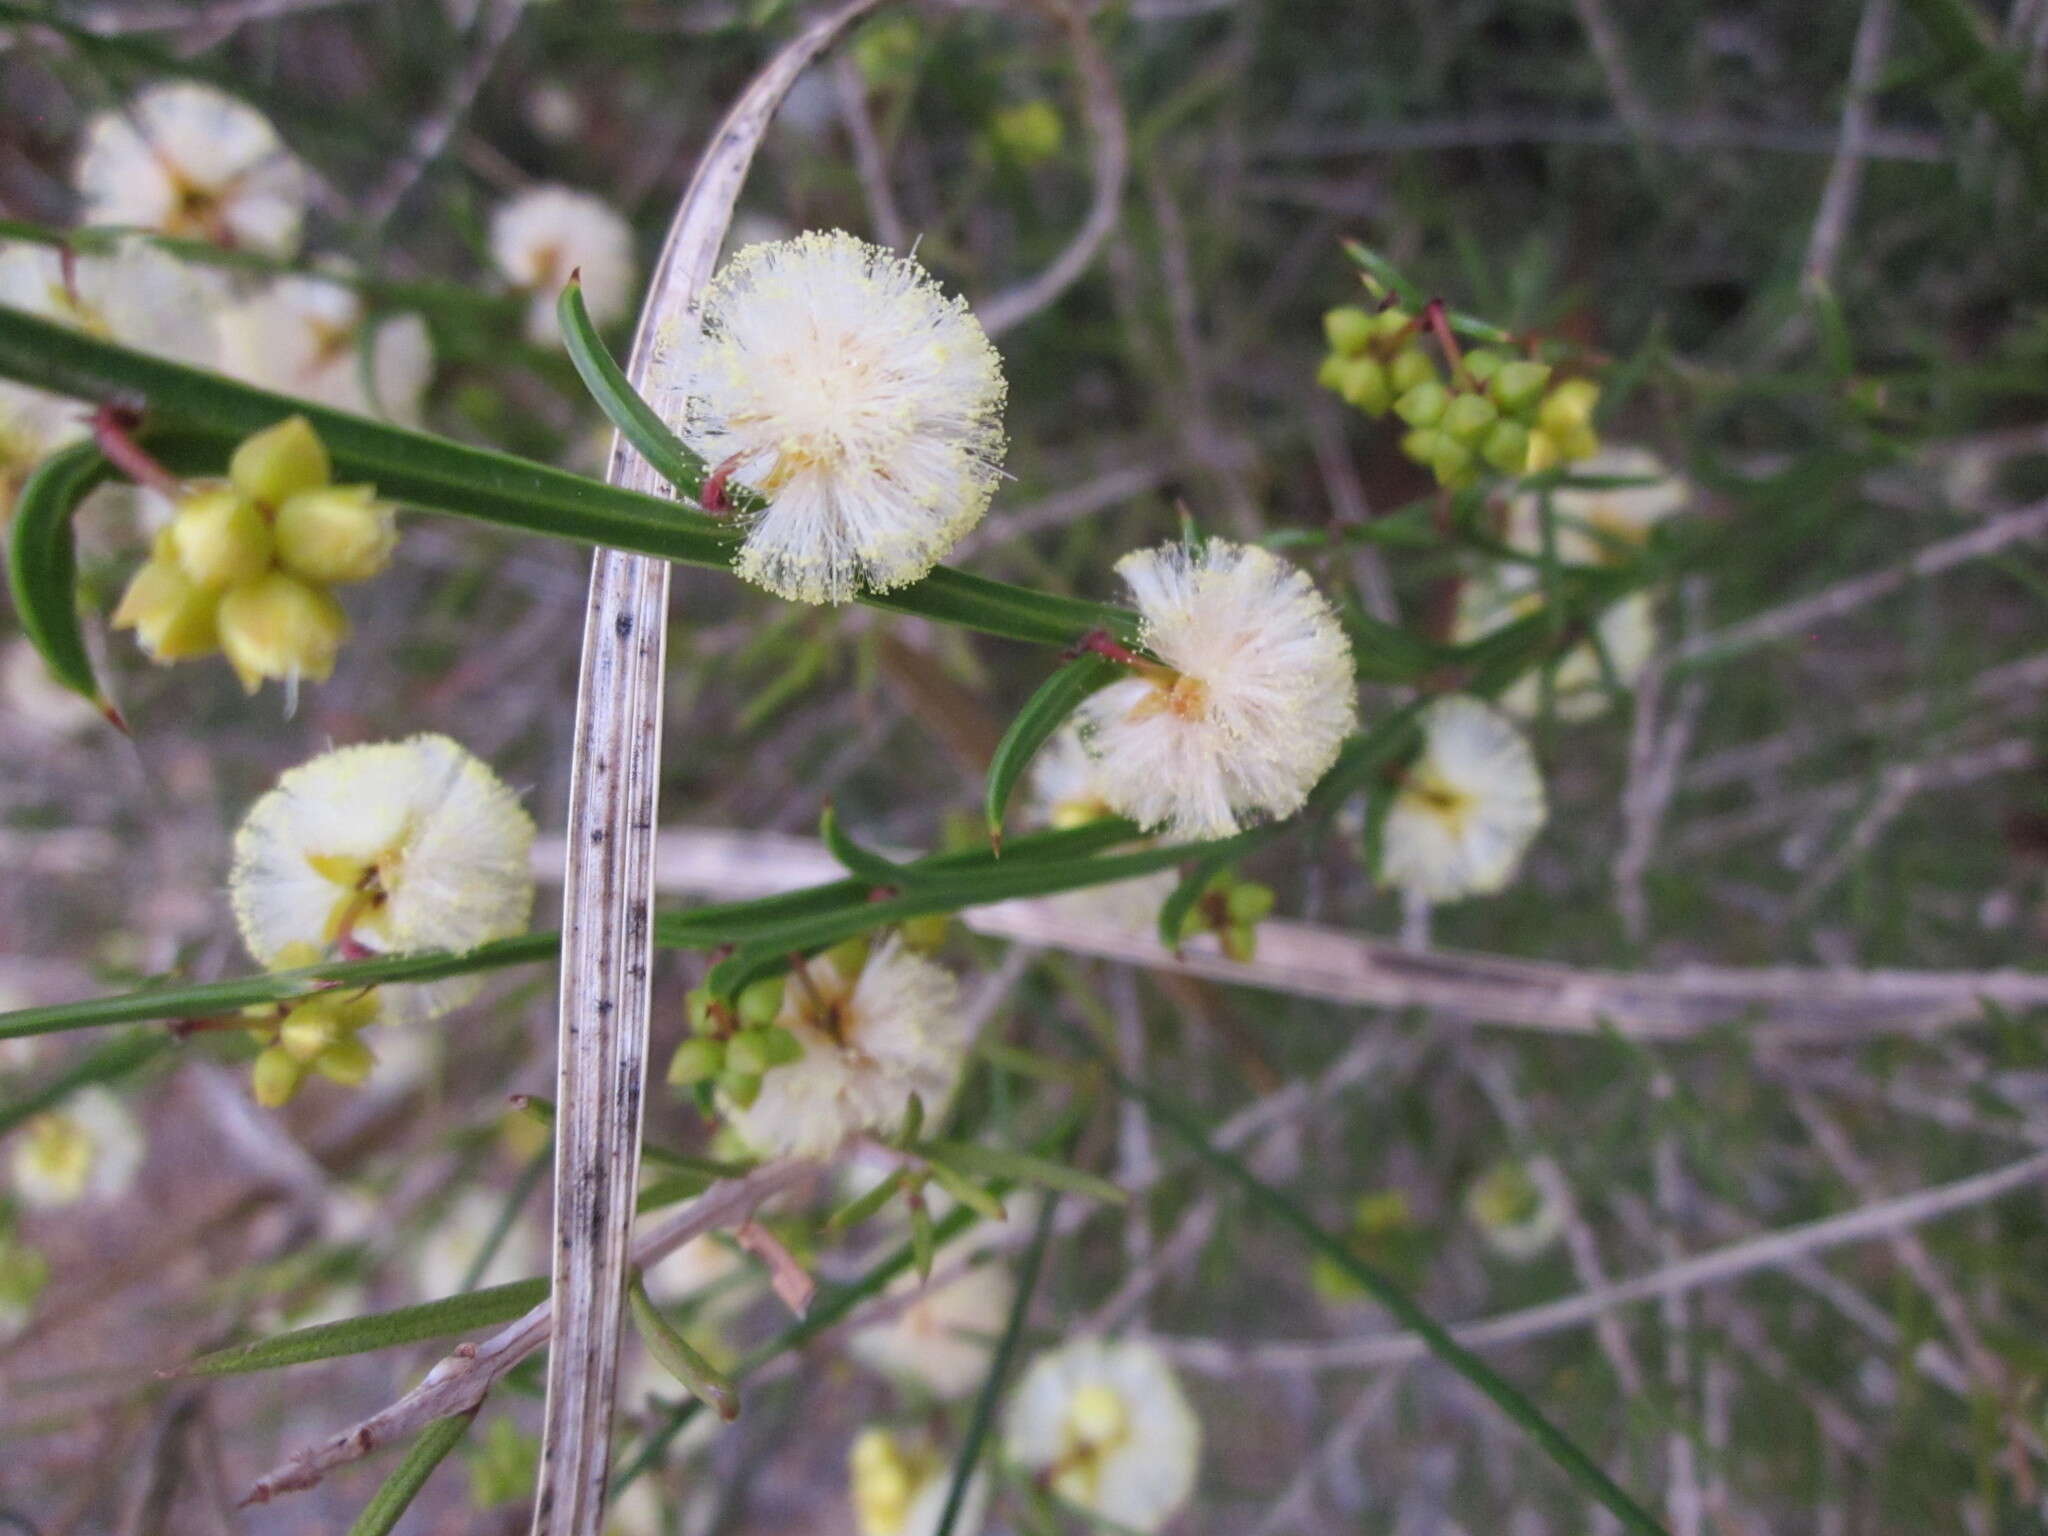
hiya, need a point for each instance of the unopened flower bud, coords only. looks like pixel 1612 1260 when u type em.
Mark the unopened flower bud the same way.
pixel 1569 407
pixel 1452 461
pixel 741 1087
pixel 1518 384
pixel 1363 383
pixel 336 533
pixel 279 462
pixel 927 933
pixel 172 615
pixel 280 627
pixel 1391 324
pixel 1240 942
pixel 1409 367
pixel 697 1060
pixel 1029 132
pixel 1467 418
pixel 1482 363
pixel 220 537
pixel 1250 902
pixel 849 956
pixel 1349 330
pixel 1424 405
pixel 307 1033
pixel 1506 447
pixel 348 1062
pixel 760 1001
pixel 745 1053
pixel 1420 445
pixel 275 1077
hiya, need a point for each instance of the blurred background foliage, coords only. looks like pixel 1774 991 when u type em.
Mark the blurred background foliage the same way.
pixel 1822 297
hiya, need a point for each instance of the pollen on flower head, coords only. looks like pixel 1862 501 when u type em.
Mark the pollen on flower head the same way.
pixel 1253 699
pixel 870 1041
pixel 834 380
pixel 1466 808
pixel 899 1481
pixel 385 849
pixel 1106 1425
pixel 1599 527
pixel 185 159
pixel 547 233
pixel 308 337
pixel 88 1149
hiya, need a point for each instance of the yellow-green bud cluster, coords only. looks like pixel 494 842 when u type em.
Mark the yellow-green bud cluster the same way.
pixel 732 1046
pixel 1231 909
pixel 321 1034
pixel 1495 411
pixel 245 564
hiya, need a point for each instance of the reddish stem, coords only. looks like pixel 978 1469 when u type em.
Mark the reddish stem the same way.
pixel 712 497
pixel 1438 320
pixel 112 429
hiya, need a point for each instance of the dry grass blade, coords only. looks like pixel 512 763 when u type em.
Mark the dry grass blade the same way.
pixel 608 878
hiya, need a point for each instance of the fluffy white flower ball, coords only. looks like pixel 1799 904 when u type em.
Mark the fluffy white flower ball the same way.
pixel 1065 792
pixel 307 336
pixel 385 849
pixel 893 1030
pixel 1518 1213
pixel 1599 527
pixel 940 1340
pixel 187 160
pixel 88 1149
pixel 899 1483
pixel 1579 688
pixel 833 379
pixel 1467 808
pixel 1254 699
pixel 1105 1423
pixel 548 232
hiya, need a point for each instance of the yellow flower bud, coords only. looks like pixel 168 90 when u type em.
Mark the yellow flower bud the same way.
pixel 347 1062
pixel 336 533
pixel 220 537
pixel 275 1077
pixel 280 461
pixel 307 1033
pixel 173 616
pixel 1569 407
pixel 280 627
pixel 1030 131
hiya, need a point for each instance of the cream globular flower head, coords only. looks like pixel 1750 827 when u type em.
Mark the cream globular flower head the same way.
pixel 1066 791
pixel 1599 527
pixel 898 1484
pixel 1578 680
pixel 834 380
pixel 870 1042
pixel 312 338
pixel 1106 1425
pixel 185 159
pixel 1466 808
pixel 546 234
pixel 1517 1213
pixel 941 1339
pixel 89 1149
pixel 385 849
pixel 1253 699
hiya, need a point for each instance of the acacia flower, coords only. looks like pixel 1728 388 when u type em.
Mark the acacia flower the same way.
pixel 89 1149
pixel 385 849
pixel 1598 527
pixel 1066 791
pixel 1579 689
pixel 313 338
pixel 834 380
pixel 547 233
pixel 1467 807
pixel 185 159
pixel 899 1483
pixel 941 1338
pixel 1518 1214
pixel 1252 698
pixel 1105 1423
pixel 872 1035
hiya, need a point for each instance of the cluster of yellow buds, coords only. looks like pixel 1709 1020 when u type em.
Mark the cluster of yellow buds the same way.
pixel 245 563
pixel 317 1034
pixel 1494 411
pixel 1230 908
pixel 734 1045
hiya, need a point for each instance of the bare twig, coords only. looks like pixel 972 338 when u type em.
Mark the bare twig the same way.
pixel 1845 176
pixel 1104 109
pixel 500 20
pixel 869 163
pixel 460 1382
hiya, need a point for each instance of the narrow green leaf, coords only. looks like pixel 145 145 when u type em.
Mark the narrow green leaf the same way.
pixel 984 1416
pixel 1194 884
pixel 110 1063
pixel 42 570
pixel 871 869
pixel 1023 1167
pixel 670 1189
pixel 922 1244
pixel 965 1190
pixel 621 403
pixel 428 1451
pixel 1577 1465
pixel 674 1354
pixel 1045 712
pixel 378 1330
pixel 1993 78
pixel 858 1211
